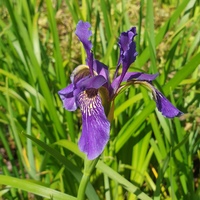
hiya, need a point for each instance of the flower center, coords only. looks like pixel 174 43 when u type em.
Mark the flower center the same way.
pixel 91 92
pixel 89 101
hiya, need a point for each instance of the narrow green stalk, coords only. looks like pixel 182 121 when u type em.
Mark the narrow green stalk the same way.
pixel 82 187
pixel 88 169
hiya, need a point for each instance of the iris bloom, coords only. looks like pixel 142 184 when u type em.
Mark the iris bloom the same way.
pixel 92 91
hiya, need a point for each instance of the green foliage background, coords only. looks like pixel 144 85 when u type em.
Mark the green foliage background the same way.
pixel 148 156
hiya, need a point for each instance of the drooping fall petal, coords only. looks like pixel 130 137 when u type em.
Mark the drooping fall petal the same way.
pixel 95 128
pixel 68 98
pixel 165 106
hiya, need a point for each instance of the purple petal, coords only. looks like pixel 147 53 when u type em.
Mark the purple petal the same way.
pixel 147 77
pixel 128 57
pixel 93 82
pixel 83 33
pixel 125 41
pixel 68 98
pixel 129 76
pixel 127 50
pixel 96 127
pixel 117 81
pixel 165 106
pixel 101 69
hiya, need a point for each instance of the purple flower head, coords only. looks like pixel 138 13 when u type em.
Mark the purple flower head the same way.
pixel 92 91
pixel 83 92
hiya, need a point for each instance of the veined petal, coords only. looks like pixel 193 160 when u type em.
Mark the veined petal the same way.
pixel 83 33
pixel 96 127
pixel 68 98
pixel 165 106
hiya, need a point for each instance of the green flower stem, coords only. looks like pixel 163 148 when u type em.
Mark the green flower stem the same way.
pixel 89 166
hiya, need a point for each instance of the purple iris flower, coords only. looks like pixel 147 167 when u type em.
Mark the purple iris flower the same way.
pixel 92 91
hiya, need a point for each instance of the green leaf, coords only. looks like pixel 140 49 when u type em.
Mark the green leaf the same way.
pixel 34 188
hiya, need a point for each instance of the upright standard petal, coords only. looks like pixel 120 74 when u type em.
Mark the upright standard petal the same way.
pixel 96 127
pixel 127 53
pixel 101 69
pixel 127 50
pixel 83 33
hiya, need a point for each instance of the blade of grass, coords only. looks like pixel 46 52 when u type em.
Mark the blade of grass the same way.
pixel 150 35
pixel 142 59
pixel 108 171
pixel 32 169
pixel 34 188
pixel 23 38
pixel 60 74
pixel 90 192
